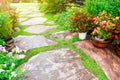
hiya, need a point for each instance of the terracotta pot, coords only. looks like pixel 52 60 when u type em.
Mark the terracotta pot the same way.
pixel 118 50
pixel 100 44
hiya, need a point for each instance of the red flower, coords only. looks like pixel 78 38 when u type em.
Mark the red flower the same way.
pixel 77 17
pixel 116 36
pixel 72 19
pixel 106 29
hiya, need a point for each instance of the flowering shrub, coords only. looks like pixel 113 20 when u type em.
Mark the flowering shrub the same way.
pixel 9 65
pixel 116 31
pixel 8 69
pixel 82 21
pixel 104 25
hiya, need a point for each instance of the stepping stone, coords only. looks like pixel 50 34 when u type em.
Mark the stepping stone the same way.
pixel 29 42
pixel 60 64
pixel 34 21
pixel 36 15
pixel 22 19
pixel 65 35
pixel 39 29
pixel 24 12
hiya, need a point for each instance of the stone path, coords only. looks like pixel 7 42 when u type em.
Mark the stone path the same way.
pixel 60 64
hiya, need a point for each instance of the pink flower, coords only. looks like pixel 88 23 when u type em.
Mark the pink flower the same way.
pixel 101 14
pixel 95 22
pixel 14 74
pixel 103 23
pixel 95 30
pixel 28 66
pixel 3 49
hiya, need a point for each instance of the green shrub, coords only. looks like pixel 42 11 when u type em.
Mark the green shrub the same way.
pixel 5 25
pixel 95 6
pixel 63 20
pixel 52 6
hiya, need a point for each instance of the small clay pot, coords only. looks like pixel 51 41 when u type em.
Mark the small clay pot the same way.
pixel 100 44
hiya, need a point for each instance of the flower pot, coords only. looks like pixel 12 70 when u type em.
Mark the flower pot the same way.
pixel 118 50
pixel 83 35
pixel 100 43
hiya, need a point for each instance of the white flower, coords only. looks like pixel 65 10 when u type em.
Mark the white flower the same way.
pixel 24 51
pixel 10 54
pixel 23 70
pixel 1 70
pixel 14 74
pixel 0 45
pixel 13 64
pixel 18 50
pixel 5 65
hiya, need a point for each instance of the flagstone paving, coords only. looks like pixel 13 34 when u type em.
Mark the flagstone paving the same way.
pixel 34 21
pixel 60 64
pixel 29 42
pixel 37 29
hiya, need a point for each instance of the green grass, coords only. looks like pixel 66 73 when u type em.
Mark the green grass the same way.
pixel 21 32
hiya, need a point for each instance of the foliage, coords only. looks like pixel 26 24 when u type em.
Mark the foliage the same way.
pixel 82 21
pixel 13 17
pixel 8 69
pixel 5 25
pixel 95 6
pixel 104 24
pixel 2 42
pixel 52 6
pixel 63 20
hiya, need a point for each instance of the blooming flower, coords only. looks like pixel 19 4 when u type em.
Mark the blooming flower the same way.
pixel 3 49
pixel 13 64
pixel 1 70
pixel 14 74
pixel 5 65
pixel 103 23
pixel 18 49
pixel 28 66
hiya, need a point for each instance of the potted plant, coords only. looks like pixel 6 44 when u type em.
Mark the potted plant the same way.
pixel 116 35
pixel 81 22
pixel 102 33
